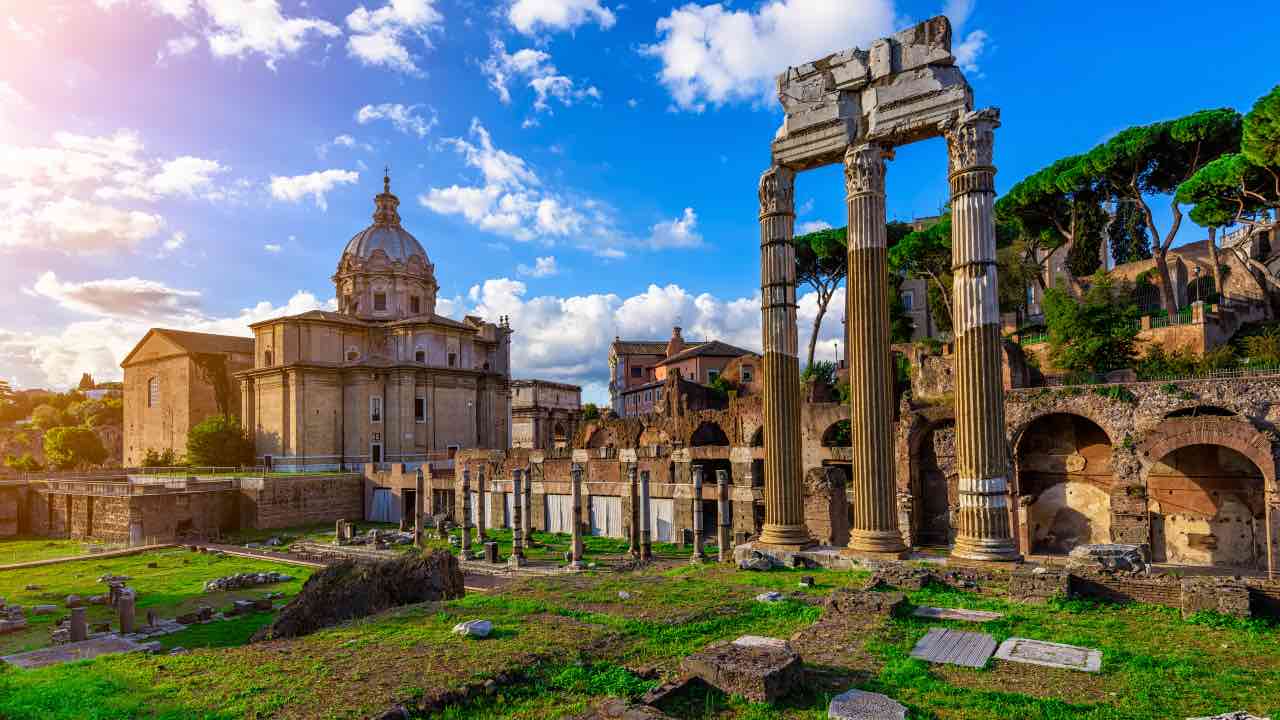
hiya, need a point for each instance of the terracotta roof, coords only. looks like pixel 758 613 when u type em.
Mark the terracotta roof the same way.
pixel 640 347
pixel 715 348
pixel 194 342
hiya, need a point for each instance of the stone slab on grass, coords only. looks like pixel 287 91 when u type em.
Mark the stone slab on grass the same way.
pixel 82 650
pixel 1039 652
pixel 759 671
pixel 1237 715
pixel 943 645
pixel 861 705
pixel 936 613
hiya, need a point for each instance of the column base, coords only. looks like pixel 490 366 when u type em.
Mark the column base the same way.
pixel 516 561
pixel 697 559
pixel 576 566
pixel 876 544
pixel 786 537
pixel 1002 550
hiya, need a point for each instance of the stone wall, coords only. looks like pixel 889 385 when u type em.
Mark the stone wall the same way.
pixel 14 511
pixel 274 502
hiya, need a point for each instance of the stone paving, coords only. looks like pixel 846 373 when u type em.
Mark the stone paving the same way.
pixel 83 650
pixel 934 613
pixel 1038 652
pixel 861 705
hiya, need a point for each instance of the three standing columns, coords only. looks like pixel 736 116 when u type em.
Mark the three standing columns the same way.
pixel 981 458
pixel 875 514
pixel 783 502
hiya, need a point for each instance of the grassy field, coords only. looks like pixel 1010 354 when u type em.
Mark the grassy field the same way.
pixel 20 550
pixel 574 640
pixel 173 587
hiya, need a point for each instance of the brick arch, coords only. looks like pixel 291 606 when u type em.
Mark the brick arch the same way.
pixel 1238 435
pixel 1019 431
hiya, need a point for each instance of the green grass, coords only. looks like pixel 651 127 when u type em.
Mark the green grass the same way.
pixel 20 550
pixel 573 641
pixel 175 586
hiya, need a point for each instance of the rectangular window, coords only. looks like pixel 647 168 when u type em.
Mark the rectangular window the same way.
pixel 415 305
pixel 420 409
pixel 1031 295
pixel 420 356
pixel 746 373
pixel 453 359
pixel 648 395
pixel 266 358
pixel 712 375
pixel 908 301
pixel 375 409
pixel 153 392
pixel 636 372
pixel 379 301
pixel 453 451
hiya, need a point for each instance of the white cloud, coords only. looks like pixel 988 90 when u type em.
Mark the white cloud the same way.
pixel 404 118
pixel 970 47
pixel 130 297
pixel 179 9
pixel 273 248
pixel 342 141
pixel 175 242
pixel 378 36
pixel 713 55
pixel 535 67
pixel 11 103
pixel 316 185
pixel 812 226
pixel 530 16
pixel 633 103
pixel 176 47
pixel 184 176
pixel 238 28
pixel 542 267
pixel 567 337
pixel 682 232
pixel 56 359
pixel 74 226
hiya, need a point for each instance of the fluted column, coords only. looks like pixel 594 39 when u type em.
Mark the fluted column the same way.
pixel 981 459
pixel 783 501
pixel 698 555
pixel 466 514
pixel 875 513
pixel 575 549
pixel 726 518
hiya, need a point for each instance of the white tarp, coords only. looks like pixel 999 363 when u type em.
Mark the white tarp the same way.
pixel 383 509
pixel 606 515
pixel 662 513
pixel 559 513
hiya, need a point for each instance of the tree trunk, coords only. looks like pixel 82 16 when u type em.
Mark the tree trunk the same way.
pixel 1166 283
pixel 1217 266
pixel 824 299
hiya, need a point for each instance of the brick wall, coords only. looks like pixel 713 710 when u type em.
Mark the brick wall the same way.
pixel 13 511
pixel 283 502
pixel 1156 589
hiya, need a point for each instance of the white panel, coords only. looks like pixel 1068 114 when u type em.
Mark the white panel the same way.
pixel 606 515
pixel 662 512
pixel 383 509
pixel 559 513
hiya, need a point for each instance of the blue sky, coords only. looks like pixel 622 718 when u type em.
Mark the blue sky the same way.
pixel 584 166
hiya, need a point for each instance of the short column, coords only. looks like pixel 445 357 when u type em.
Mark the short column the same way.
pixel 646 544
pixel 79 624
pixel 981 448
pixel 783 502
pixel 466 514
pixel 575 550
pixel 723 539
pixel 517 522
pixel 875 514
pixel 634 496
pixel 528 507
pixel 420 489
pixel 483 511
pixel 125 606
pixel 698 555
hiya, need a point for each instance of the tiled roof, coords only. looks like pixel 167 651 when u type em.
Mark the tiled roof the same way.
pixel 208 343
pixel 640 347
pixel 715 348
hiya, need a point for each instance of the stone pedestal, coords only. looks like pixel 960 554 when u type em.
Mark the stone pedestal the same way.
pixel 698 555
pixel 575 549
pixel 466 514
pixel 783 502
pixel 725 517
pixel 79 624
pixel 875 515
pixel 125 606
pixel 983 531
pixel 646 544
pixel 491 552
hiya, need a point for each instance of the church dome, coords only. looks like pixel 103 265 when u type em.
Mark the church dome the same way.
pixel 386 233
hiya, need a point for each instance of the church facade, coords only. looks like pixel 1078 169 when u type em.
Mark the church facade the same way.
pixel 384 379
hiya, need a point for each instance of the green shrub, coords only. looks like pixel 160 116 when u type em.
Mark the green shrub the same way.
pixel 219 440
pixel 69 447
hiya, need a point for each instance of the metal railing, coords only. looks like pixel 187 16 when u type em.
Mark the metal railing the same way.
pixel 1083 379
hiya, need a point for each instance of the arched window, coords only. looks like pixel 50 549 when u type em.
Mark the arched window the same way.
pixel 153 392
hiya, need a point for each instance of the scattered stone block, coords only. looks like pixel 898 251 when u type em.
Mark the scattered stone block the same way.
pixel 934 613
pixel 1228 596
pixel 102 627
pixel 61 636
pixel 1237 715
pixel 757 562
pixel 866 602
pixel 1108 556
pixel 153 565
pixel 74 601
pixel 760 672
pixel 750 641
pixel 769 597
pixel 99 600
pixel 1039 585
pixel 491 553
pixel 240 607
pixel 79 624
pixel 902 576
pixel 1038 652
pixel 954 647
pixel 262 604
pixel 44 609
pixel 861 705
pixel 473 628
pixel 32 588
pixel 806 581
pixel 624 595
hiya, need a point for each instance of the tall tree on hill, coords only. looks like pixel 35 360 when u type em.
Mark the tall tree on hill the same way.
pixel 1243 188
pixel 821 264
pixel 1154 160
pixel 927 254
pixel 1127 232
pixel 86 382
pixel 1085 256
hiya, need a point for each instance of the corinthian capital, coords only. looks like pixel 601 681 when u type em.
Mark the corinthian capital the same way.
pixel 971 139
pixel 777 191
pixel 864 169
